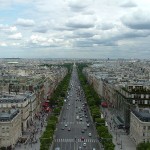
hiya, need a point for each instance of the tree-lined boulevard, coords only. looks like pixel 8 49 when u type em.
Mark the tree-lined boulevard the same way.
pixel 75 129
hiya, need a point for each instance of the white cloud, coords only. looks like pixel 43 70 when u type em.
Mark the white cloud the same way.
pixel 3 44
pixel 15 44
pixel 25 22
pixel 73 24
pixel 8 29
pixel 37 39
pixel 16 36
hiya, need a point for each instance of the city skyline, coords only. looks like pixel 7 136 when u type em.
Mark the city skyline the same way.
pixel 74 29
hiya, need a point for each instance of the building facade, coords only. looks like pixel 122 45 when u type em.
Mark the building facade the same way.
pixel 10 127
pixel 140 125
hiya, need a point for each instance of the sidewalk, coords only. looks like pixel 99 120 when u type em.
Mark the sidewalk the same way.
pixel 120 137
pixel 33 134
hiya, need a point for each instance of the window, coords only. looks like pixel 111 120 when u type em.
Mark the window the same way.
pixel 148 127
pixel 144 127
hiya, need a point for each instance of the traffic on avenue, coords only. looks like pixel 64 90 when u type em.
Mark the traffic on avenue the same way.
pixel 75 130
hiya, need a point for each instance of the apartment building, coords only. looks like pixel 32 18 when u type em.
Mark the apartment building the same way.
pixel 140 125
pixel 10 127
pixel 122 84
pixel 25 102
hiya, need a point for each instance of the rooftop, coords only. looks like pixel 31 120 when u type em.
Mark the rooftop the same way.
pixel 8 116
pixel 11 98
pixel 142 114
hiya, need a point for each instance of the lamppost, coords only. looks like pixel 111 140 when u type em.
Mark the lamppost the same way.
pixel 121 142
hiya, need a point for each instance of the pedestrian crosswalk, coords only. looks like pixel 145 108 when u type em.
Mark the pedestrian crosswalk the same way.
pixel 73 122
pixel 77 140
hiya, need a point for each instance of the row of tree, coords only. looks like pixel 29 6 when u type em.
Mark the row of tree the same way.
pixel 94 102
pixel 56 100
pixel 143 146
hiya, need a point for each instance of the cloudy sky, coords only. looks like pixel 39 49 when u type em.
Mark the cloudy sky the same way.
pixel 75 28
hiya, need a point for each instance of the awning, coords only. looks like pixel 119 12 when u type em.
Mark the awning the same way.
pixel 45 104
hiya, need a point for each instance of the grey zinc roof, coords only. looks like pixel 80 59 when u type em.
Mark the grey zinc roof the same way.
pixel 142 115
pixel 13 98
pixel 8 116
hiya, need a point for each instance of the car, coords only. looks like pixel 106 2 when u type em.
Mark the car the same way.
pixel 90 134
pixel 86 116
pixel 77 117
pixel 82 131
pixel 82 138
pixel 57 148
pixel 69 129
pixel 88 124
pixel 68 104
pixel 80 148
pixel 67 108
pixel 66 125
pixel 80 119
pixel 93 148
pixel 84 144
pixel 63 128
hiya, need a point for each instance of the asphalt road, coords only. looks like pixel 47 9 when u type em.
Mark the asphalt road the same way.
pixel 74 106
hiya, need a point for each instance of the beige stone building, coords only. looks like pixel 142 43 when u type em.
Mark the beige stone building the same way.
pixel 140 125
pixel 10 127
pixel 26 103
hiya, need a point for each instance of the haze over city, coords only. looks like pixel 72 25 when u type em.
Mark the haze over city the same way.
pixel 75 29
